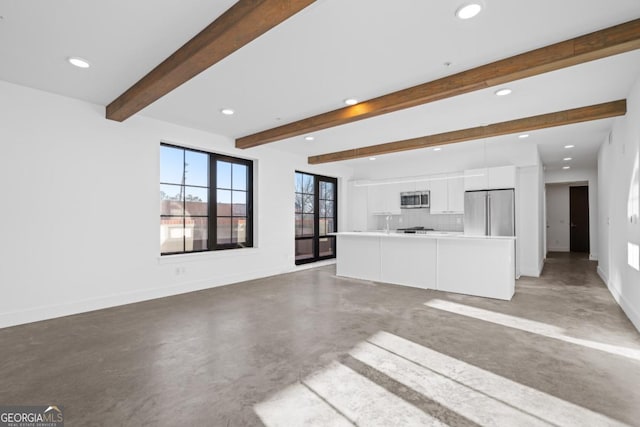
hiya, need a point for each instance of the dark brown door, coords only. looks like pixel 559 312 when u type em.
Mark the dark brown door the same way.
pixel 579 217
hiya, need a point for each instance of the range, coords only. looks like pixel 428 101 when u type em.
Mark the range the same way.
pixel 414 230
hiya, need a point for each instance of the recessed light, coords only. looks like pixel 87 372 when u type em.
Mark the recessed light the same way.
pixel 372 158
pixel 523 136
pixel 227 111
pixel 468 11
pixel 566 167
pixel 566 159
pixel 437 149
pixel 350 101
pixel 79 62
pixel 503 92
pixel 309 138
pixel 569 146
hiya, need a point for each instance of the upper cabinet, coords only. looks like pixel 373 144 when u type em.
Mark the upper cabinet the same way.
pixel 490 178
pixel 358 199
pixel 447 194
pixel 384 199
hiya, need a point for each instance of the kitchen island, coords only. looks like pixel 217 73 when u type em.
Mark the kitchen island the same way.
pixel 474 265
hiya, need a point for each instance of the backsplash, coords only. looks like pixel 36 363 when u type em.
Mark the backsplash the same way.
pixel 422 217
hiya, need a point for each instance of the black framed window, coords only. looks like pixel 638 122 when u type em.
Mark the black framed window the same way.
pixel 315 217
pixel 205 201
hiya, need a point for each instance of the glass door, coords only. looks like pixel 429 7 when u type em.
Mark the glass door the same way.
pixel 315 217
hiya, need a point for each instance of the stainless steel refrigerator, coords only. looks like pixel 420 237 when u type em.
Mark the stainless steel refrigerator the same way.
pixel 489 213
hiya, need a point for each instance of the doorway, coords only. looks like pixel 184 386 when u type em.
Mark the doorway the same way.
pixel 579 219
pixel 316 217
pixel 567 214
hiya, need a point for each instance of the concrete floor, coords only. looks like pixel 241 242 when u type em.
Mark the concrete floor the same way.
pixel 309 348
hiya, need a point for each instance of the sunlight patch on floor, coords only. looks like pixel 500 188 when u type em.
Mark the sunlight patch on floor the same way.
pixel 532 326
pixel 343 391
pixel 479 395
pixel 298 406
pixel 339 396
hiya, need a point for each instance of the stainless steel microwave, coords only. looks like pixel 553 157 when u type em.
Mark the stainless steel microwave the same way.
pixel 415 199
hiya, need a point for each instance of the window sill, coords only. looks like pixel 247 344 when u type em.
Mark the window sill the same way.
pixel 204 256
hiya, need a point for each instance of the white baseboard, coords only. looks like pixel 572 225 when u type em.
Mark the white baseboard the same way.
pixel 540 267
pixel 603 276
pixel 631 313
pixel 530 273
pixel 37 314
pixel 593 257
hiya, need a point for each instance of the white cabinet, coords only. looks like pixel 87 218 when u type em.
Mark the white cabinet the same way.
pixel 408 261
pixel 384 199
pixel 358 218
pixel 502 177
pixel 490 178
pixel 456 194
pixel 447 194
pixel 476 179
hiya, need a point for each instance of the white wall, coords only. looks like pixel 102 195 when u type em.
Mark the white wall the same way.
pixel 615 167
pixel 530 220
pixel 80 213
pixel 590 176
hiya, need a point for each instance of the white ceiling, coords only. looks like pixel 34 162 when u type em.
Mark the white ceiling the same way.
pixel 332 50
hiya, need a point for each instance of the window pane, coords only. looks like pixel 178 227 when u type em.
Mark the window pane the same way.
pixel 326 246
pixel 171 199
pixel 307 203
pixel 307 184
pixel 171 164
pixel 223 174
pixel 195 232
pixel 323 209
pixel 328 208
pixel 196 168
pixel 239 203
pixel 196 201
pixel 304 249
pixel 307 225
pixel 239 230
pixel 331 225
pixel 298 203
pixel 239 176
pixel 224 203
pixel 322 224
pixel 298 182
pixel 171 234
pixel 328 190
pixel 298 225
pixel 224 230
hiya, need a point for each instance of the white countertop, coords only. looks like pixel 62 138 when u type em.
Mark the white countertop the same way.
pixel 431 235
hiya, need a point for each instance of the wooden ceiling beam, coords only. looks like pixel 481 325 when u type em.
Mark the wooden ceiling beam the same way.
pixel 560 118
pixel 600 44
pixel 240 24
